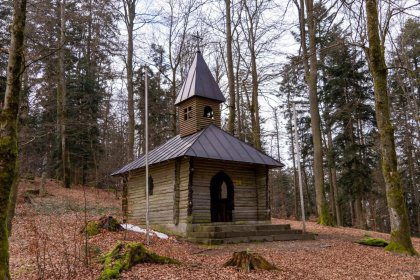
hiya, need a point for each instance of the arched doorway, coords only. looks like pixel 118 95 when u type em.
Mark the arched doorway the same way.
pixel 222 194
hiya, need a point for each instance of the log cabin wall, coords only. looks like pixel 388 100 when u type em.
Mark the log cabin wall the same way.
pixel 169 202
pixel 250 196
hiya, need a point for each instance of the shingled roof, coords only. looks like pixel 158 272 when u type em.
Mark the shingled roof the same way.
pixel 211 142
pixel 199 82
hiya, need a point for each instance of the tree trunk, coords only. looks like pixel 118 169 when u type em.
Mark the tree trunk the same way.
pixel 12 204
pixel 256 130
pixel 61 100
pixel 173 90
pixel 231 77
pixel 129 14
pixel 408 150
pixel 9 128
pixel 42 190
pixel 238 100
pixel 254 108
pixel 400 226
pixel 333 172
pixel 295 174
pixel 358 210
pixel 310 66
pixel 308 194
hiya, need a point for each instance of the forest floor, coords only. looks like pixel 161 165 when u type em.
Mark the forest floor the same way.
pixel 46 243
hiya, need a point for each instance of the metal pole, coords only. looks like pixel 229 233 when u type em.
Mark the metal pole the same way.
pixel 146 151
pixel 302 205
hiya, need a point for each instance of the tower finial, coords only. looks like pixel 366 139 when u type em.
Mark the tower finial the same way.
pixel 197 39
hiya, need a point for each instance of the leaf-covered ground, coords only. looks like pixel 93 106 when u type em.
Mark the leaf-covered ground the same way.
pixel 47 244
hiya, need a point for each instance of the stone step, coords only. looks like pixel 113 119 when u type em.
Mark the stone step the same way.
pixel 231 228
pixel 228 234
pixel 258 238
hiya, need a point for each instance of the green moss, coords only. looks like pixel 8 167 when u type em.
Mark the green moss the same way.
pixel 371 241
pixel 398 248
pixel 92 228
pixel 4 252
pixel 325 217
pixel 125 255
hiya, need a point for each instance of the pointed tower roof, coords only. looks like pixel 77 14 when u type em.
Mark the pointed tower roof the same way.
pixel 199 82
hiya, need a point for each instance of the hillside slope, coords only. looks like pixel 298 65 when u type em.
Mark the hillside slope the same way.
pixel 47 244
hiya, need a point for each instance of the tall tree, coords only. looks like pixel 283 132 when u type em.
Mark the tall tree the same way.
pixel 405 102
pixel 253 12
pixel 62 99
pixel 310 65
pixel 400 226
pixel 9 129
pixel 230 72
pixel 129 18
pixel 179 23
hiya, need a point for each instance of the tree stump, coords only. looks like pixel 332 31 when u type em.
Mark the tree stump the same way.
pixel 248 261
pixel 126 255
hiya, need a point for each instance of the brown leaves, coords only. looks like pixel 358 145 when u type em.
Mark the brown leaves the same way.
pixel 46 244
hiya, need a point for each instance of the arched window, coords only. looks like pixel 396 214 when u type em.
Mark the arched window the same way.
pixel 151 186
pixel 208 112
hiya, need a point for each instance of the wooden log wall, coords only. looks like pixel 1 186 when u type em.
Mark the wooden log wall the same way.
pixel 197 121
pixel 249 190
pixel 203 122
pixel 189 126
pixel 169 202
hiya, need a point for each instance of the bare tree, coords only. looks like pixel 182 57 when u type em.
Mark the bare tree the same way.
pixel 129 18
pixel 375 52
pixel 61 99
pixel 179 19
pixel 230 72
pixel 310 66
pixel 252 18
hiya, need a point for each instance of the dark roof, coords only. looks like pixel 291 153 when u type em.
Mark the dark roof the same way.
pixel 211 142
pixel 199 82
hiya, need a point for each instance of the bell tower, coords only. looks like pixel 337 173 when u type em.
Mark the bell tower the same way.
pixel 199 100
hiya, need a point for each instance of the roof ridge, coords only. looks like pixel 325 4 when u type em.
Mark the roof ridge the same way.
pixel 199 134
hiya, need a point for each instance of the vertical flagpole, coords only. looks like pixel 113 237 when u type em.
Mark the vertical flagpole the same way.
pixel 146 152
pixel 302 205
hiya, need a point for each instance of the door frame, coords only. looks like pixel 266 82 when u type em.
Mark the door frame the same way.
pixel 215 200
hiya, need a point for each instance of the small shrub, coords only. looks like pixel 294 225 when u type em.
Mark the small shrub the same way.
pixel 92 228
